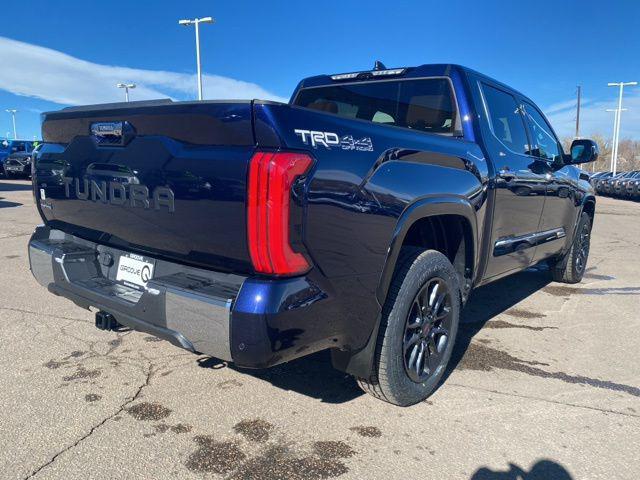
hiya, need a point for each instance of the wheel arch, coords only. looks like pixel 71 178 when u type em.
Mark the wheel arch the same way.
pixel 430 209
pixel 589 206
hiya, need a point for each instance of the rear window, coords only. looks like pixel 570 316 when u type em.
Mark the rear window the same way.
pixel 427 105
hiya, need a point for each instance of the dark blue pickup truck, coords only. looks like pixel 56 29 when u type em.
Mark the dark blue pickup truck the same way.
pixel 357 218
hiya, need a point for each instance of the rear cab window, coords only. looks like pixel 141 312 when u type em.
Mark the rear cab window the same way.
pixel 427 105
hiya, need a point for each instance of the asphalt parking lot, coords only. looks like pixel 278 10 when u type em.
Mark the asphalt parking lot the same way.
pixel 546 386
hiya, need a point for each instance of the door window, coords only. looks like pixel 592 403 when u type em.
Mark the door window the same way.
pixel 544 142
pixel 505 119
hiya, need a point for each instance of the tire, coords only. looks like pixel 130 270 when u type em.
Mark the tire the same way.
pixel 571 267
pixel 417 275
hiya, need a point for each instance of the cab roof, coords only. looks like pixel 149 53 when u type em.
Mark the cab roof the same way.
pixel 426 70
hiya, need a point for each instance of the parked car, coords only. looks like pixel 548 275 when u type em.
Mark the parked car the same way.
pixel 621 187
pixel 615 185
pixel 593 177
pixel 633 187
pixel 9 147
pixel 607 185
pixel 356 218
pixel 598 181
pixel 17 165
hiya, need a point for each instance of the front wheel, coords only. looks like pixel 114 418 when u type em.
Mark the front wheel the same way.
pixel 571 267
pixel 418 329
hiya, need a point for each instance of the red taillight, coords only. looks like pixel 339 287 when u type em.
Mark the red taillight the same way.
pixel 271 175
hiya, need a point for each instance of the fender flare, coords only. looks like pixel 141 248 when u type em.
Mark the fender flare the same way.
pixel 429 206
pixel 589 198
pixel 360 363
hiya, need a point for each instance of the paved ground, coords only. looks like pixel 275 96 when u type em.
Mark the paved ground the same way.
pixel 547 386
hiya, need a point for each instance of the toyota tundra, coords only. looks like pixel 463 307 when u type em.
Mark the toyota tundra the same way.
pixel 357 218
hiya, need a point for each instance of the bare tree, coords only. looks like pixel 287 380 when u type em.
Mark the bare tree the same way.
pixel 628 154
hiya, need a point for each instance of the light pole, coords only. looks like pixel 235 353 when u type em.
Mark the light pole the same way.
pixel 197 22
pixel 615 128
pixel 13 111
pixel 126 87
pixel 578 112
pixel 616 133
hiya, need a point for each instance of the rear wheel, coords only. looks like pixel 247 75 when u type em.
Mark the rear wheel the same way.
pixel 418 329
pixel 571 267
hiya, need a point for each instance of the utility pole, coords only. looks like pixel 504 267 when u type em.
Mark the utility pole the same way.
pixel 197 22
pixel 13 111
pixel 616 133
pixel 126 87
pixel 578 112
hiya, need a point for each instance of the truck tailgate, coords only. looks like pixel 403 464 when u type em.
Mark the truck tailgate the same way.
pixel 158 178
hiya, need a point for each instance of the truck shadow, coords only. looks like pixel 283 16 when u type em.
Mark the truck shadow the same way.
pixel 315 377
pixel 14 186
pixel 491 300
pixel 541 470
pixel 5 204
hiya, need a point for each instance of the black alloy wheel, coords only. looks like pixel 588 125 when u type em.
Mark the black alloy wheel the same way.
pixel 427 330
pixel 571 266
pixel 584 242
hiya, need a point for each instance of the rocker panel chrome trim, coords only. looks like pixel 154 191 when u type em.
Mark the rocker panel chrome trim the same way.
pixel 511 244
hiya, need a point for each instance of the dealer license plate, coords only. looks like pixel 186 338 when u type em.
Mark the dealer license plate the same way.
pixel 134 269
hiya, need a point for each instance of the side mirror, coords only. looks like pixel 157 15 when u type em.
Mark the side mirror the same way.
pixel 583 151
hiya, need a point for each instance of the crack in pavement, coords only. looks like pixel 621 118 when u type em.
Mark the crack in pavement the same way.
pixel 21 310
pixel 16 235
pixel 555 402
pixel 97 426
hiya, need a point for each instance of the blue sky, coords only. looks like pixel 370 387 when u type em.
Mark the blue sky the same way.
pixel 56 53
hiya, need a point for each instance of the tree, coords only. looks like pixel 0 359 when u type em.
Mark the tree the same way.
pixel 628 154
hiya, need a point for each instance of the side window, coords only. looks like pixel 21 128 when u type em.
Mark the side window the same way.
pixel 545 145
pixel 505 119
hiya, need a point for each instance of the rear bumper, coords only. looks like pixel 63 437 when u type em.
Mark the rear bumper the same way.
pixel 189 307
pixel 252 322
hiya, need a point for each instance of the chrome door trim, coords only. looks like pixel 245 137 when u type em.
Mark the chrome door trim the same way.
pixel 508 245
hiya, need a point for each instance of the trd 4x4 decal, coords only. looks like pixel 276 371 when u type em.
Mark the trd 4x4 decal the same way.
pixel 333 140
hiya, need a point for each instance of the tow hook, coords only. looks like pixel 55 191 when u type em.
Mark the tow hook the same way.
pixel 106 321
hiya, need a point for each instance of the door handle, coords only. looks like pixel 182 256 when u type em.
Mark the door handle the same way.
pixel 506 174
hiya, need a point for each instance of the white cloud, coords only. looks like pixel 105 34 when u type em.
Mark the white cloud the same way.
pixel 560 106
pixel 594 118
pixel 51 75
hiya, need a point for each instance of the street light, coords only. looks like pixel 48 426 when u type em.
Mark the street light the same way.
pixel 126 87
pixel 197 22
pixel 615 128
pixel 13 111
pixel 616 132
